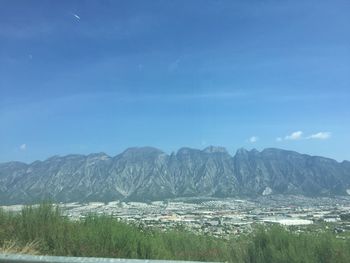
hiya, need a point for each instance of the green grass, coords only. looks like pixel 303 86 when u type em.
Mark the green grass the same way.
pixel 104 236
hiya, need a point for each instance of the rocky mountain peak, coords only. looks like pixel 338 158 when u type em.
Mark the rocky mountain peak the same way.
pixel 215 149
pixel 98 156
pixel 187 151
pixel 141 151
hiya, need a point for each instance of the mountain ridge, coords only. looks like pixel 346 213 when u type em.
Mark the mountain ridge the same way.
pixel 142 147
pixel 148 173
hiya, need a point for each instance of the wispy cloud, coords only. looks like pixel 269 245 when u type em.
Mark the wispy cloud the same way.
pixel 320 136
pixel 253 139
pixel 297 135
pixel 279 139
pixel 25 30
pixel 23 147
pixel 171 97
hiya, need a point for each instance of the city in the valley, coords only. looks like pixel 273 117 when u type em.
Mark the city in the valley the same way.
pixel 223 217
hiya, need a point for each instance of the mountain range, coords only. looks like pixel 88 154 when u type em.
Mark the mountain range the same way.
pixel 147 173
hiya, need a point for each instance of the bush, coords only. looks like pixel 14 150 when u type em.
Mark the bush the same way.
pixel 104 236
pixel 275 244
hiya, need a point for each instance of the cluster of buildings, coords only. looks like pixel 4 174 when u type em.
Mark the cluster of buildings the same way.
pixel 223 217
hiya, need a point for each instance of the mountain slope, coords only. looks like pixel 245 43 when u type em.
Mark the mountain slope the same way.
pixel 149 174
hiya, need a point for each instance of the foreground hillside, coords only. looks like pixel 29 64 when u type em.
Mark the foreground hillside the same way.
pixel 43 230
pixel 150 174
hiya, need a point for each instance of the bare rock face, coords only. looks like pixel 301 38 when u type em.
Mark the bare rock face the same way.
pixel 149 174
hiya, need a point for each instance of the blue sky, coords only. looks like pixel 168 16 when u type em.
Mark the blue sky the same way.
pixel 92 76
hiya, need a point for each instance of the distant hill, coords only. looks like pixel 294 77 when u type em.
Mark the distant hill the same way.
pixel 150 174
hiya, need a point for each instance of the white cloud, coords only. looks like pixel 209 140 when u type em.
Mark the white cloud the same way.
pixel 298 135
pixel 23 147
pixel 320 136
pixel 253 139
pixel 294 136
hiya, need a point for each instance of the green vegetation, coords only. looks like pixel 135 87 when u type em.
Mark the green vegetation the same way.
pixel 44 230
